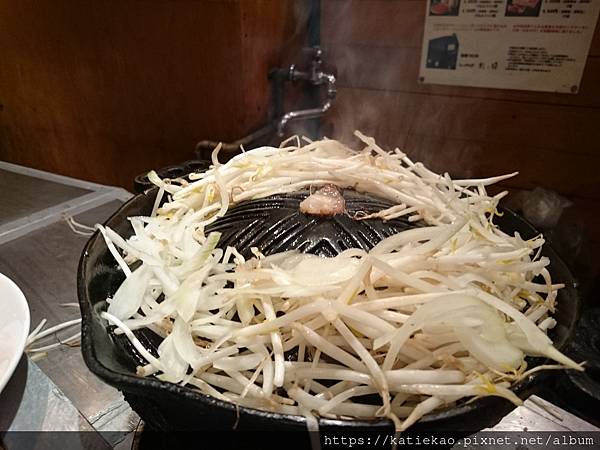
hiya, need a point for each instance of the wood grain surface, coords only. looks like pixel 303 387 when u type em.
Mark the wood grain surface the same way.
pixel 553 140
pixel 105 90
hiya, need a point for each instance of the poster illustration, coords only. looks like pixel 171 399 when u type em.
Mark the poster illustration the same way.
pixel 539 45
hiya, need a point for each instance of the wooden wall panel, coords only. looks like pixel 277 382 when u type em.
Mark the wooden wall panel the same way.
pixel 271 34
pixel 106 90
pixel 397 69
pixel 528 125
pixel 595 46
pixel 472 138
pixel 378 42
pixel 389 23
pixel 553 140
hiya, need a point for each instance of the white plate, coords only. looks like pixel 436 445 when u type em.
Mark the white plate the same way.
pixel 14 327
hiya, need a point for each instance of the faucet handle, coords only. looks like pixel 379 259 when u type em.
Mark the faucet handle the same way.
pixel 314 53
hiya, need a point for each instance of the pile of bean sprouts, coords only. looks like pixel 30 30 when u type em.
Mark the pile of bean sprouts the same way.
pixel 428 317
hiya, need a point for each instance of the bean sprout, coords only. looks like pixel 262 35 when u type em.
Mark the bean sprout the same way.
pixel 428 317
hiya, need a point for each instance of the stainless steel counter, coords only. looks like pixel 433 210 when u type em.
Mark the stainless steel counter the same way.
pixel 40 253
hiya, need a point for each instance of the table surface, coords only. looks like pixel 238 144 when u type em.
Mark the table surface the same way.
pixel 40 253
pixel 42 260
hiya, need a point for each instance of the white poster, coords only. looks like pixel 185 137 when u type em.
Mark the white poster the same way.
pixel 538 45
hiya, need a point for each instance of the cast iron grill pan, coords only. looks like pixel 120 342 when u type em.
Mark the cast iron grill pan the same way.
pixel 273 224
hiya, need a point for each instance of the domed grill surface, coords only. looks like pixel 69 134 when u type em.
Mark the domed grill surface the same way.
pixel 275 224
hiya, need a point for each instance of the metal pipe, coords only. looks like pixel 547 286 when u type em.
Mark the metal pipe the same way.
pixel 314 23
pixel 205 148
pixel 311 113
pixel 312 95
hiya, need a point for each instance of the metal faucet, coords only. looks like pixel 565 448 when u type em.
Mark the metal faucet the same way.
pixel 316 77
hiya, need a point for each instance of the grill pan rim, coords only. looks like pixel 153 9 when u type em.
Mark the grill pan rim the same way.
pixel 492 407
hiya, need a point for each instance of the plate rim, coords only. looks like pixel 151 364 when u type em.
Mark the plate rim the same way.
pixel 20 300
